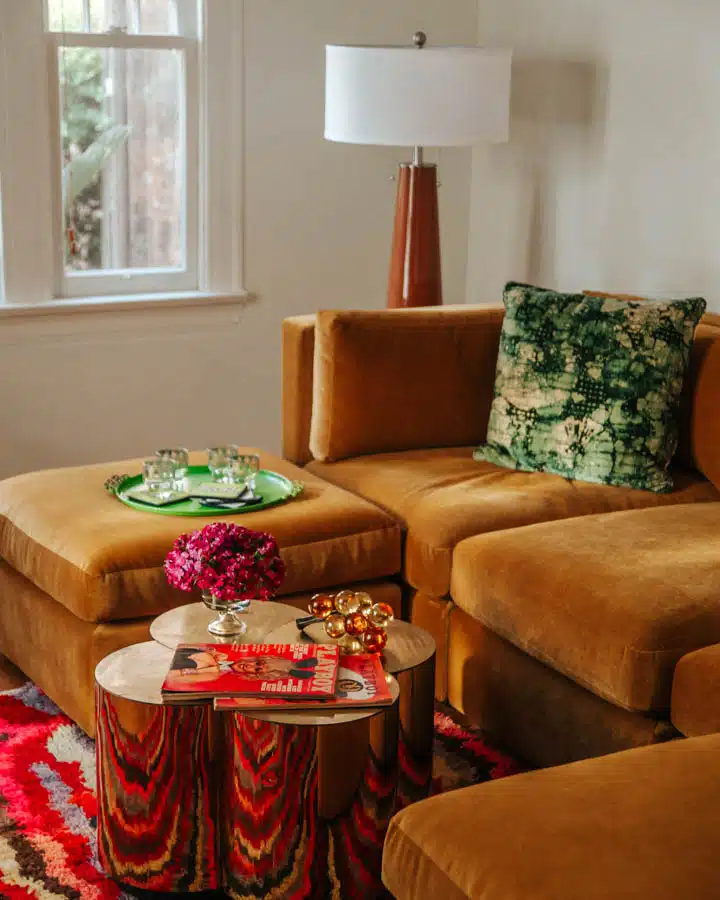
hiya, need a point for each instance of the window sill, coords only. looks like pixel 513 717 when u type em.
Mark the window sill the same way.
pixel 121 303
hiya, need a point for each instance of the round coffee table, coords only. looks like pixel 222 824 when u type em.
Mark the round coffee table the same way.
pixel 292 805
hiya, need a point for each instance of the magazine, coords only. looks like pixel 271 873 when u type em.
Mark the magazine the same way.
pixel 360 682
pixel 202 671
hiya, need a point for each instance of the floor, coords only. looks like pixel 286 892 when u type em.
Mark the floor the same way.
pixel 10 676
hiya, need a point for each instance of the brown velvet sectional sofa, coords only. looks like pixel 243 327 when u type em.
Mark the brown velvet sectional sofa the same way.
pixel 560 608
pixel 572 620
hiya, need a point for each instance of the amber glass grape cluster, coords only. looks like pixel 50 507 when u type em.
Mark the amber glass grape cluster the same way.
pixel 352 619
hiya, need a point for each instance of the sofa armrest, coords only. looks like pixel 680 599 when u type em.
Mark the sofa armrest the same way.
pixel 695 704
pixel 298 348
pixel 402 379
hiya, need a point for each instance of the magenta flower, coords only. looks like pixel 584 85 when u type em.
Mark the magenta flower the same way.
pixel 229 561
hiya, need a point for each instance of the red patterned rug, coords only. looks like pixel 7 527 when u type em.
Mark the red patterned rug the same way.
pixel 47 797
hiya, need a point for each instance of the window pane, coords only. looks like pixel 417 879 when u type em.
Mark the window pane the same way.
pixel 135 16
pixel 124 157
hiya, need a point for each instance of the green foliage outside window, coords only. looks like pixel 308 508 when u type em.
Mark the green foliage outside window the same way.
pixel 83 120
pixel 88 140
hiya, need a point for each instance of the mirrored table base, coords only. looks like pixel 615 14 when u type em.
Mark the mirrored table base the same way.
pixel 157 809
pixel 195 800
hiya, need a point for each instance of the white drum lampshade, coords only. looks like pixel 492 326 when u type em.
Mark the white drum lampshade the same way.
pixel 408 97
pixel 417 97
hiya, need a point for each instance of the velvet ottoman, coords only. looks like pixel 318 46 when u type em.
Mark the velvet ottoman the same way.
pixel 81 574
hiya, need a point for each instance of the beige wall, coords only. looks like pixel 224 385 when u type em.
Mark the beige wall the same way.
pixel 318 222
pixel 611 177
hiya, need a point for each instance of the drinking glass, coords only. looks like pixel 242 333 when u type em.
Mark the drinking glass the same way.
pixel 158 476
pixel 180 459
pixel 248 468
pixel 222 461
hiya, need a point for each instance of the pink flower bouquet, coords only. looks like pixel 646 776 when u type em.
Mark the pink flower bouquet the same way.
pixel 228 561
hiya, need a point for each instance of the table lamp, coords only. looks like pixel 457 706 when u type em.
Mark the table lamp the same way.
pixel 416 97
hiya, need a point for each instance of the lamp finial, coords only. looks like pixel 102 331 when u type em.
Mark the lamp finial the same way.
pixel 419 39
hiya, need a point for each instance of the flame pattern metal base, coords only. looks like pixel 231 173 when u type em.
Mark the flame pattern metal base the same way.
pixel 305 809
pixel 156 797
pixel 193 800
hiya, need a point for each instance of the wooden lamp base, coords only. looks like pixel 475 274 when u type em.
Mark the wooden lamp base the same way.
pixel 415 263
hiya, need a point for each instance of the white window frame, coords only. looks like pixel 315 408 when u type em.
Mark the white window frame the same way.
pixel 30 163
pixel 96 282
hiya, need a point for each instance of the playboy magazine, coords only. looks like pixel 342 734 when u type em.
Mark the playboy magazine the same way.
pixel 251 670
pixel 360 682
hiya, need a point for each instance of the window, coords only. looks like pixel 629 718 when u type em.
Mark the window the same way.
pixel 120 147
pixel 124 91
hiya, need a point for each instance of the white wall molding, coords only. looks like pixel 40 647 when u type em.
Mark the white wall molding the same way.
pixel 142 319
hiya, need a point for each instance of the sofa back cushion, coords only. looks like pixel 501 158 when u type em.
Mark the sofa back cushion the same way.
pixel 700 414
pixel 402 379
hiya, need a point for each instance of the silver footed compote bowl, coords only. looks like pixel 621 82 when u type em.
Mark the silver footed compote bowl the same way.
pixel 228 622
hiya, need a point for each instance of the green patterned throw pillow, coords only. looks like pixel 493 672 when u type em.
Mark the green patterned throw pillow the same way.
pixel 588 387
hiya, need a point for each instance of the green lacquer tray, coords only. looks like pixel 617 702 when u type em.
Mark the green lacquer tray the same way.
pixel 271 486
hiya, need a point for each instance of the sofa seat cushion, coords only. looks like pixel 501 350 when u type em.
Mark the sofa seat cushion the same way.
pixel 444 496
pixel 612 601
pixel 695 708
pixel 104 560
pixel 638 824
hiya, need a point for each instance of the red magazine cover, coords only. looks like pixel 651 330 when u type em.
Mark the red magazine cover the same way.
pixel 252 670
pixel 360 682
